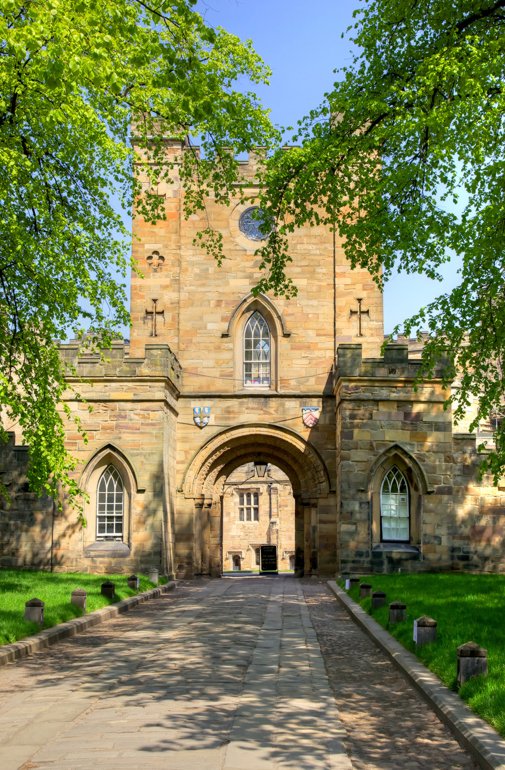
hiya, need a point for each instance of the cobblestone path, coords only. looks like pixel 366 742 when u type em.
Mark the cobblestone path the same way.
pixel 219 675
pixel 388 725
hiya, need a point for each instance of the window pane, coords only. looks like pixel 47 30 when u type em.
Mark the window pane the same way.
pixel 394 507
pixel 110 504
pixel 248 506
pixel 256 351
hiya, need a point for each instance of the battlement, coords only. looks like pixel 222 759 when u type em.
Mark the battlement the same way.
pixel 414 344
pixel 248 164
pixel 396 363
pixel 159 361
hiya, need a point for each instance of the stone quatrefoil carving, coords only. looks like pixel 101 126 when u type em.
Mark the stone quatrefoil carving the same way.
pixel 155 261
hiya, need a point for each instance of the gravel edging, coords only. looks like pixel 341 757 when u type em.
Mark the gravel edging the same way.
pixel 485 744
pixel 50 636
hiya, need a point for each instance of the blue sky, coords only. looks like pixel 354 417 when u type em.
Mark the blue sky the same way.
pixel 301 42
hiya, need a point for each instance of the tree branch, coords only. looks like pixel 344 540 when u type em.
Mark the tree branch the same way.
pixel 483 13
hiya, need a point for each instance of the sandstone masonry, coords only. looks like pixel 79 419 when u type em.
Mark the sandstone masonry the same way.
pixel 368 469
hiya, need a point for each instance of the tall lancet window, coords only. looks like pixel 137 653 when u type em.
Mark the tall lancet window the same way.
pixel 110 505
pixel 257 350
pixel 395 520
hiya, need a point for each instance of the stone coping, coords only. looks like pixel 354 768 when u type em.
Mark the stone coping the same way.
pixel 50 636
pixel 485 744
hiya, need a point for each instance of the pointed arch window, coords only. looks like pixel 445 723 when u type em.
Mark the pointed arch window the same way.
pixel 257 352
pixel 110 505
pixel 394 507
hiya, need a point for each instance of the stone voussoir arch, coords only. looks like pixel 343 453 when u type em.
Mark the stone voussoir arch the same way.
pixel 260 302
pixel 396 450
pixel 240 444
pixel 115 456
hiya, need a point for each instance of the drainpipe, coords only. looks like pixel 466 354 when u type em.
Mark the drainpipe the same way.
pixel 269 514
pixel 53 516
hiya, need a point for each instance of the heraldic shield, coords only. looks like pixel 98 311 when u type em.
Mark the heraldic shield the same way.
pixel 201 415
pixel 310 416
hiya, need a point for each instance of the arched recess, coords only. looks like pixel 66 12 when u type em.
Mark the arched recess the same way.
pixel 262 302
pixel 233 447
pixel 96 465
pixel 418 486
pixel 277 328
pixel 236 446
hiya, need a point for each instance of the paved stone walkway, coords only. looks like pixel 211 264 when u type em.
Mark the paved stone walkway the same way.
pixel 220 675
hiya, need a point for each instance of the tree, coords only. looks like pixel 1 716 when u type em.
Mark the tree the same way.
pixel 406 158
pixel 75 75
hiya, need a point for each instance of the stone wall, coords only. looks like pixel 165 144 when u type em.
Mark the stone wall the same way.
pixel 478 531
pixel 128 410
pixel 203 304
pixel 386 417
pixel 26 522
pixel 131 425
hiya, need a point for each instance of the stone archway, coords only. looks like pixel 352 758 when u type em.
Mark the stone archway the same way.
pixel 202 488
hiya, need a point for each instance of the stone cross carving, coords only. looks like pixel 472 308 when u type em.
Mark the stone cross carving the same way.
pixel 153 315
pixel 155 261
pixel 359 312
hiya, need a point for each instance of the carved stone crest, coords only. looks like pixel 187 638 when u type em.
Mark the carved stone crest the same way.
pixel 310 416
pixel 201 415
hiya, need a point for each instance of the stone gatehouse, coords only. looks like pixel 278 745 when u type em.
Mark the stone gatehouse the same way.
pixel 216 382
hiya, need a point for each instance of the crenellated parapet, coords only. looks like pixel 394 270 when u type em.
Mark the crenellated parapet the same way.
pixel 159 361
pixel 395 363
pixel 173 151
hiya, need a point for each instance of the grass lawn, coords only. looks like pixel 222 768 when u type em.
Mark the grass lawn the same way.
pixel 18 586
pixel 466 608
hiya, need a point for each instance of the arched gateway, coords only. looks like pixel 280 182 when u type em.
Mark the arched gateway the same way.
pixel 233 447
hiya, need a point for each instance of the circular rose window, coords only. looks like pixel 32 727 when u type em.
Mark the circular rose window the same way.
pixel 254 224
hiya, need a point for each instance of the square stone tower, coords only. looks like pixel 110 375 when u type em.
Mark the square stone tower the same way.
pixel 256 370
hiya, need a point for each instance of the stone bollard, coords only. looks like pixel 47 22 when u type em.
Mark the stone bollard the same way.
pixel 397 612
pixel 365 589
pixel 133 582
pixel 78 597
pixel 472 661
pixel 34 611
pixel 108 589
pixel 353 582
pixel 378 599
pixel 153 575
pixel 425 630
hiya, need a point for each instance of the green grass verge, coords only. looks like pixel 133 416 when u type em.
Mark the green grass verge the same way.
pixel 466 608
pixel 54 588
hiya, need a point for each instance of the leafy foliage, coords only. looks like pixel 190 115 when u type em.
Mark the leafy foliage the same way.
pixel 75 75
pixel 406 156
